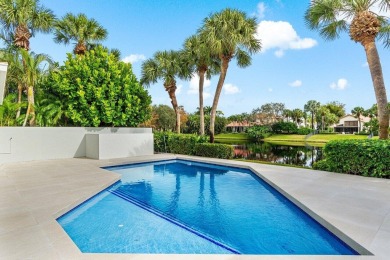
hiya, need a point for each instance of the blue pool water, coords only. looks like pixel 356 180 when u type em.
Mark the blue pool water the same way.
pixel 186 207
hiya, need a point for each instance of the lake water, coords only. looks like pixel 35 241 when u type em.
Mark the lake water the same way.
pixel 278 153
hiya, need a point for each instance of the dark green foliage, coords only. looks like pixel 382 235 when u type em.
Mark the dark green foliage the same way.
pixel 284 127
pixel 193 124
pixel 168 142
pixel 222 151
pixel 304 131
pixel 258 132
pixel 361 157
pixel 165 117
pixel 99 90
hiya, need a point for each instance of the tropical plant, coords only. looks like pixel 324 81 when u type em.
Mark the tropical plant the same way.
pixel 358 112
pixel 99 90
pixel 8 110
pixel 312 107
pixel 33 71
pixel 165 117
pixel 80 30
pixel 296 115
pixel 166 65
pixel 24 18
pixel 331 17
pixel 228 34
pixel 200 60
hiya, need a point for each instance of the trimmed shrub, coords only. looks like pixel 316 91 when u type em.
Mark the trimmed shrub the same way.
pixel 304 131
pixel 222 151
pixel 258 132
pixel 176 143
pixel 284 127
pixel 361 157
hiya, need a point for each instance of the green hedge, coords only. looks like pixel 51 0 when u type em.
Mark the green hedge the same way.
pixel 361 157
pixel 222 151
pixel 304 131
pixel 168 142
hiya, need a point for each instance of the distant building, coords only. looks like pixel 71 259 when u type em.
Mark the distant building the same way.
pixel 238 127
pixel 350 124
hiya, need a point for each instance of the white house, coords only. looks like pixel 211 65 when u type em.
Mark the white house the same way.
pixel 350 124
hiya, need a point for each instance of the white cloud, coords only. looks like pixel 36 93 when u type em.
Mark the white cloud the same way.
pixel 230 89
pixel 178 89
pixel 132 58
pixel 194 86
pixel 296 83
pixel 270 90
pixel 281 36
pixel 365 64
pixel 341 84
pixel 261 10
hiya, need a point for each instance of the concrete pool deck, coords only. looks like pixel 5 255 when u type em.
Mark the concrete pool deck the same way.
pixel 33 194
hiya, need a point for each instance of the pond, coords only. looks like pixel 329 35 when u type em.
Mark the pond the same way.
pixel 291 154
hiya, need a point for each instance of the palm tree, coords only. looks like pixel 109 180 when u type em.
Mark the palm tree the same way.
pixel 24 18
pixel 203 63
pixel 312 106
pixel 33 72
pixel 166 65
pixel 79 29
pixel 358 112
pixel 228 34
pixel 331 17
pixel 296 114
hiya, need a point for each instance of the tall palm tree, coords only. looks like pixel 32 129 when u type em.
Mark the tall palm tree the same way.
pixel 166 65
pixel 80 30
pixel 296 114
pixel 228 34
pixel 358 112
pixel 24 18
pixel 331 17
pixel 312 106
pixel 203 63
pixel 33 72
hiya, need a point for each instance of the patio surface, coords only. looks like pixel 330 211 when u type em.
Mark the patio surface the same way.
pixel 34 194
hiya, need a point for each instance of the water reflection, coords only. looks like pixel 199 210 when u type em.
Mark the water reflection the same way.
pixel 284 154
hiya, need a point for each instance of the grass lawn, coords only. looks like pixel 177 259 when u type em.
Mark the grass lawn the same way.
pixel 319 138
pixel 235 136
pixel 296 139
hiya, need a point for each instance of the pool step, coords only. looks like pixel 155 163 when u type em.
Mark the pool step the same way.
pixel 169 218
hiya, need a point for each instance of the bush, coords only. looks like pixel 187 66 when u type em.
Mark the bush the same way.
pixel 304 131
pixel 193 124
pixel 98 90
pixel 258 132
pixel 284 127
pixel 361 157
pixel 176 143
pixel 222 151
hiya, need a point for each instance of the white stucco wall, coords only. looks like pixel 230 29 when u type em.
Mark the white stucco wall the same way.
pixel 43 143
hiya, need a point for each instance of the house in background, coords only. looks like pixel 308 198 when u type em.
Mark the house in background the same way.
pixel 350 124
pixel 238 127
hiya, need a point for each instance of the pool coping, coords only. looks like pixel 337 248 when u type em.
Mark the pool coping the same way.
pixel 360 221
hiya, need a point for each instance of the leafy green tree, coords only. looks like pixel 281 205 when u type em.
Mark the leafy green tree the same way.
pixel 358 112
pixel 79 29
pixel 165 117
pixel 24 18
pixel 259 132
pixel 228 34
pixel 336 108
pixel 331 17
pixel 199 60
pixel 99 90
pixel 166 65
pixel 193 124
pixel 8 110
pixel 284 127
pixel 312 107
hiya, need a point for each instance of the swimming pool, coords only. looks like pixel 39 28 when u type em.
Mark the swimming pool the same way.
pixel 179 206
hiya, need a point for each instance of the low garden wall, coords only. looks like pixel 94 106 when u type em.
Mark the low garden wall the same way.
pixel 43 143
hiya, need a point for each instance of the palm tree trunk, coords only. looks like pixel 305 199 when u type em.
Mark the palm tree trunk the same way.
pixel 171 91
pixel 201 112
pixel 221 80
pixel 30 108
pixel 20 90
pixel 312 121
pixel 379 86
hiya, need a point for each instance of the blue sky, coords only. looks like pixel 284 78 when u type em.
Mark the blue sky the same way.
pixel 295 65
